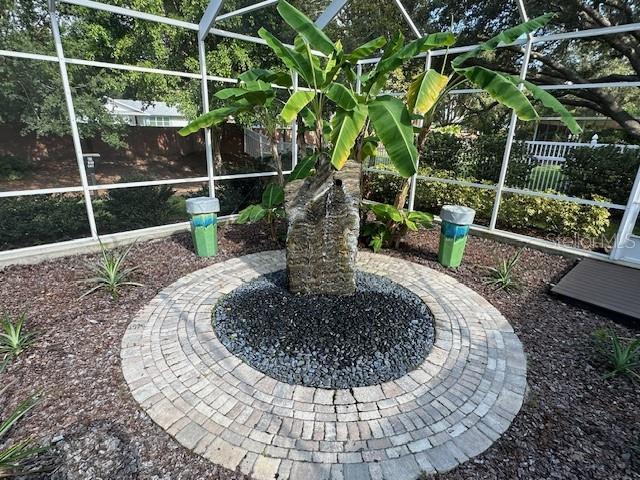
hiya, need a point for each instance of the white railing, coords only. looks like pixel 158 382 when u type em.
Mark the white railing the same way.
pixel 547 159
pixel 542 150
pixel 258 145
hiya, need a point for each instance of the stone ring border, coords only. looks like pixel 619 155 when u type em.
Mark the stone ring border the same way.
pixel 451 408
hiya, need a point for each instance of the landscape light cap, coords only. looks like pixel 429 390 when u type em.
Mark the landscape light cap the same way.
pixel 457 214
pixel 199 205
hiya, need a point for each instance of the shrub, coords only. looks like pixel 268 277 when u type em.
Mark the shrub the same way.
pixel 38 219
pixel 518 212
pixel 137 207
pixel 621 357
pixel 480 157
pixel 604 171
pixel 13 168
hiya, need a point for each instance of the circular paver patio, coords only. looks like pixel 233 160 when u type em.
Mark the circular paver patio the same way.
pixel 449 409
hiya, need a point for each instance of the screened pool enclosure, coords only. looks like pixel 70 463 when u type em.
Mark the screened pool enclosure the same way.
pixel 86 167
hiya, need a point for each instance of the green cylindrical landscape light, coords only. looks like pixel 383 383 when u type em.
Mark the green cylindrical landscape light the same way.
pixel 204 224
pixel 453 233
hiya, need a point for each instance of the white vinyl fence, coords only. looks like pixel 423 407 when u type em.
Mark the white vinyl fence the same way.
pixel 258 145
pixel 547 159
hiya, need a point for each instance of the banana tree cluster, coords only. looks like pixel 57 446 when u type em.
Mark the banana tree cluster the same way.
pixel 351 116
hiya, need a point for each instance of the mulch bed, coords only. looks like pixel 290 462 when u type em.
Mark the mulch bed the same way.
pixel 574 424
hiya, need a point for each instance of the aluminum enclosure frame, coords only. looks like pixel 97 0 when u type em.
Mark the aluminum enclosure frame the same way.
pixel 207 26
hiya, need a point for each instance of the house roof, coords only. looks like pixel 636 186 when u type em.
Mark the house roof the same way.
pixel 120 106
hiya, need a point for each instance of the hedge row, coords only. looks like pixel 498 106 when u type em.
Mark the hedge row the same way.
pixel 517 212
pixel 40 219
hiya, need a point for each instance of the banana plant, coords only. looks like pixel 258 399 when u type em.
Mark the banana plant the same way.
pixel 431 88
pixel 270 209
pixel 255 96
pixel 350 122
pixel 392 224
pixel 347 124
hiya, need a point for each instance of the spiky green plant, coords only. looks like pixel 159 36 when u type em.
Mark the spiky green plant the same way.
pixel 109 272
pixel 620 356
pixel 13 338
pixel 13 457
pixel 502 277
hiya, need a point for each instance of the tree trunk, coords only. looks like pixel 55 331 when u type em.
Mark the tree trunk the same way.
pixel 322 238
pixel 401 196
pixel 277 161
pixel 216 141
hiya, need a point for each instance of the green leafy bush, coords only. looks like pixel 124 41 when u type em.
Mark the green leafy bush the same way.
pixel 38 219
pixel 137 207
pixel 13 168
pixel 517 212
pixel 391 225
pixel 480 157
pixel 604 171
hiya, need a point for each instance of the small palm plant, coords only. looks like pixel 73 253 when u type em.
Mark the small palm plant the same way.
pixel 109 272
pixel 620 356
pixel 13 457
pixel 502 277
pixel 13 338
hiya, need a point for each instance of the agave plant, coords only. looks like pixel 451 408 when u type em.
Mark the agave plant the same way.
pixel 620 356
pixel 502 277
pixel 12 457
pixel 351 116
pixel 109 272
pixel 13 338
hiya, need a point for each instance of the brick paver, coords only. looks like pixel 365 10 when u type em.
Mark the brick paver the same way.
pixel 451 408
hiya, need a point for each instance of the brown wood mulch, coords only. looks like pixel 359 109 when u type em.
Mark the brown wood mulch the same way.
pixel 574 424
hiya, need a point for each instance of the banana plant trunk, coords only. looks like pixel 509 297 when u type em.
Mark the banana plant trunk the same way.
pixel 322 237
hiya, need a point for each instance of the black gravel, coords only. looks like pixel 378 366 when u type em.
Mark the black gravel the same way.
pixel 378 334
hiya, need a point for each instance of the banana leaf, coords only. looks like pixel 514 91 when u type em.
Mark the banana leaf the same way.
pixel 303 168
pixel 392 123
pixel 290 57
pixel 501 89
pixel 295 104
pixel 342 96
pixel 346 125
pixel 272 196
pixel 210 119
pixel 507 37
pixel 366 50
pixel 424 91
pixel 305 27
pixel 551 102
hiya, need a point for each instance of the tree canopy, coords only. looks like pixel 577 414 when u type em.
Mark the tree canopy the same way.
pixel 30 93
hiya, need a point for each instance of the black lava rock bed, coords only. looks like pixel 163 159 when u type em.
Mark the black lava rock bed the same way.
pixel 380 333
